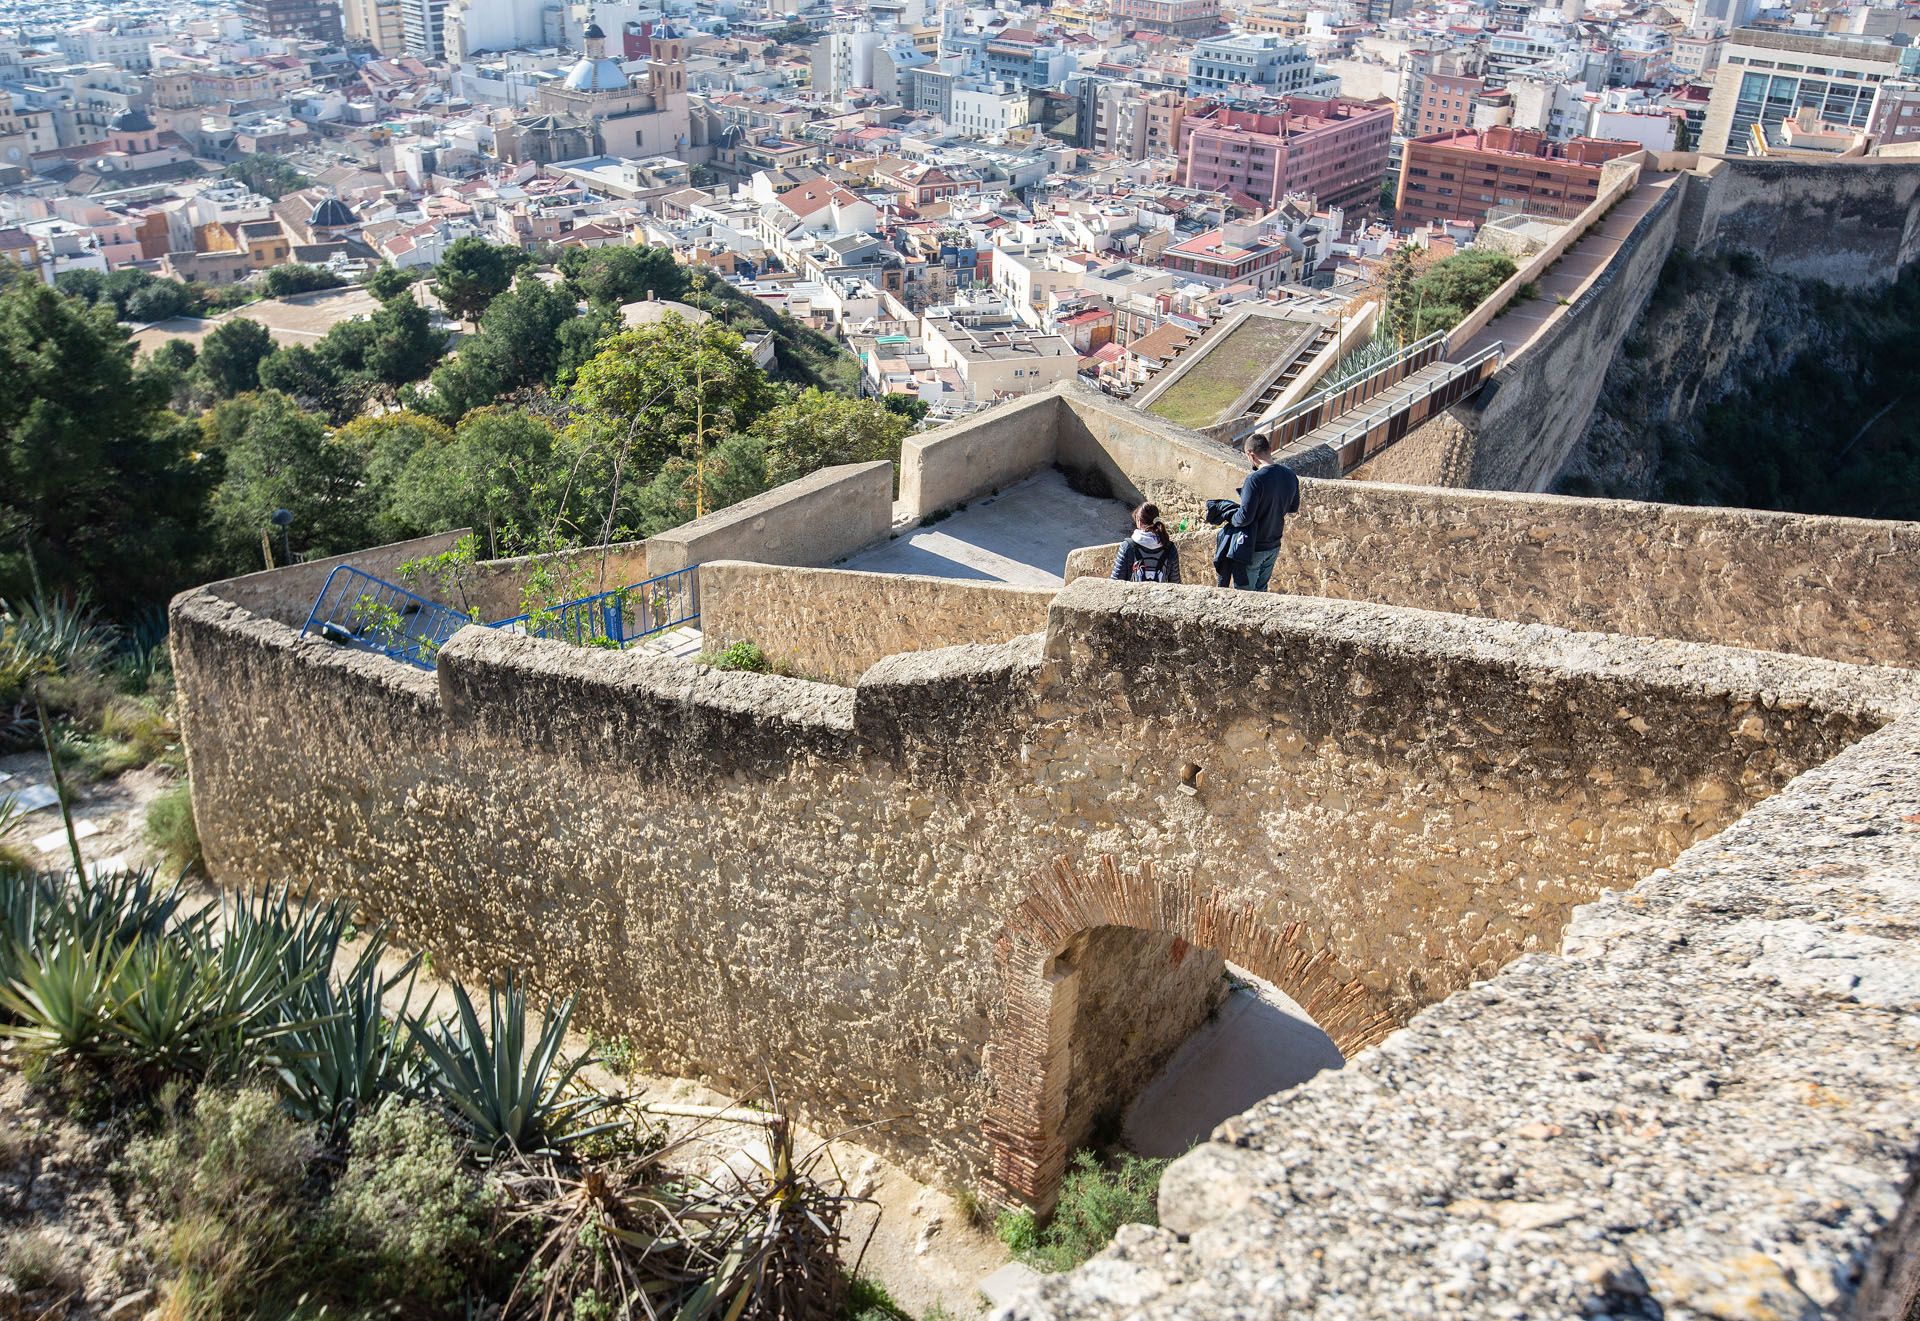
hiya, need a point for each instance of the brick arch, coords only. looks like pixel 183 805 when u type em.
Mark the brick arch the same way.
pixel 1030 1056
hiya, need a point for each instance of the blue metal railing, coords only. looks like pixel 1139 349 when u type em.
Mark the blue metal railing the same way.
pixel 359 610
pixel 618 618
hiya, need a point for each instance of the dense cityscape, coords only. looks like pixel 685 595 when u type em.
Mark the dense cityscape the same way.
pixel 976 202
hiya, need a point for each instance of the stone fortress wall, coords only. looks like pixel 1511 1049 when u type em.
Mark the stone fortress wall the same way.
pixel 1370 805
pixel 1846 222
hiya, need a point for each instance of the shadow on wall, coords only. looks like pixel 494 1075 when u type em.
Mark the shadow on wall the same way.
pixel 1256 1043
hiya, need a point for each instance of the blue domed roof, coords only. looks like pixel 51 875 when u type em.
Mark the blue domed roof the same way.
pixel 601 75
pixel 130 120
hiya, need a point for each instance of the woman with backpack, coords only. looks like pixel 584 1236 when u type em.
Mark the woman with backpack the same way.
pixel 1149 555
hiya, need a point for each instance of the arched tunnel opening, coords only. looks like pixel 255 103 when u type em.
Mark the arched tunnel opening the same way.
pixel 1166 1040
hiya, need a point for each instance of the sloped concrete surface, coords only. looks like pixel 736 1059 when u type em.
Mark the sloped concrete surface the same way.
pixel 1707 1105
pixel 1022 535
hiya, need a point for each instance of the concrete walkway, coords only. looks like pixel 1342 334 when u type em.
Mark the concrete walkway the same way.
pixel 1568 278
pixel 1022 535
pixel 1259 1043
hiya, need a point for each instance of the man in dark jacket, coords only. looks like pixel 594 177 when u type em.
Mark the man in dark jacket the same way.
pixel 1269 494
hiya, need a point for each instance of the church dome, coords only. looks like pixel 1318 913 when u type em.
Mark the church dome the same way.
pixel 131 120
pixel 601 75
pixel 593 32
pixel 332 213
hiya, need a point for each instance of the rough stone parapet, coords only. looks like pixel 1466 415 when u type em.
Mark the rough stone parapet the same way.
pixel 1706 1105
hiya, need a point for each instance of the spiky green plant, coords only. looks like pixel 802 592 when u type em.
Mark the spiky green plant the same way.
pixel 63 993
pixel 123 906
pixel 348 1053
pixel 507 1087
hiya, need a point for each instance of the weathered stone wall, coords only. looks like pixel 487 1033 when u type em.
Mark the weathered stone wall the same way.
pixel 1851 223
pixel 834 624
pixel 855 887
pixel 287 594
pixel 816 519
pixel 1838 588
pixel 975 455
pixel 1704 1106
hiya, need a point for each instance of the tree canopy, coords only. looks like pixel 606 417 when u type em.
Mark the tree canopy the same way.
pixel 474 272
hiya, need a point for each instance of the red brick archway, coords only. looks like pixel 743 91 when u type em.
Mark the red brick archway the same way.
pixel 1029 1057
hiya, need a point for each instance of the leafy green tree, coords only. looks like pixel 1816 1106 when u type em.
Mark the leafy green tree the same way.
pixel 278 457
pixel 503 475
pixel 296 278
pixel 730 472
pixel 161 300
pixel 385 447
pixel 619 275
pixel 815 429
pixel 670 389
pixel 911 407
pixel 388 281
pixel 230 357
pixel 315 381
pixel 404 344
pixel 100 491
pixel 520 344
pixel 269 175
pixel 474 272
pixel 172 366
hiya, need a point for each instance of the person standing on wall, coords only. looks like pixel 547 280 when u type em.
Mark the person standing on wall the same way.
pixel 1269 494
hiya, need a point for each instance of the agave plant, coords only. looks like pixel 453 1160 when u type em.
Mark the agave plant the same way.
pixel 124 907
pixel 348 1052
pixel 60 636
pixel 63 993
pixel 510 1091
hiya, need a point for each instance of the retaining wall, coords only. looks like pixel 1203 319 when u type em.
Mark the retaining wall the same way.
pixel 856 889
pixel 814 520
pixel 834 625
pixel 1839 588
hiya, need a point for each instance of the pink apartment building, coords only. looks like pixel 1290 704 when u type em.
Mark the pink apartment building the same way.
pixel 1335 150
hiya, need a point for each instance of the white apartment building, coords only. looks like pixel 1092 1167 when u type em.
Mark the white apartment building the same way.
pixel 988 113
pixel 1767 78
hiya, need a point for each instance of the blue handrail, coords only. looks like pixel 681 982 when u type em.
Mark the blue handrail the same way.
pixel 618 618
pixel 359 610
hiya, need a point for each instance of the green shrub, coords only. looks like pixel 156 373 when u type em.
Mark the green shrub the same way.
pixel 868 1300
pixel 1095 1200
pixel 408 1221
pixel 170 827
pixel 225 1189
pixel 739 656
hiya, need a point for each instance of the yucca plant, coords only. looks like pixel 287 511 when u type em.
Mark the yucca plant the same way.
pixel 61 636
pixel 256 973
pixel 507 1088
pixel 348 1053
pixel 125 907
pixel 63 993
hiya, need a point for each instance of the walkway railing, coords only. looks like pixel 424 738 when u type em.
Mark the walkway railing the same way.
pixel 359 610
pixel 619 618
pixel 1349 392
pixel 1363 436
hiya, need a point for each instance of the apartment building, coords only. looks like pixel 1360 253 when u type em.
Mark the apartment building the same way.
pixel 1176 18
pixel 1130 120
pixel 1461 176
pixel 1250 64
pixel 1445 103
pixel 317 20
pixel 1248 254
pixel 377 23
pixel 1334 150
pixel 1768 78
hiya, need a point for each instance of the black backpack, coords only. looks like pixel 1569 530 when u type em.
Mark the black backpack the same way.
pixel 1150 566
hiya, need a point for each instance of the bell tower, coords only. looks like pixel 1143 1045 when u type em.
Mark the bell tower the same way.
pixel 667 70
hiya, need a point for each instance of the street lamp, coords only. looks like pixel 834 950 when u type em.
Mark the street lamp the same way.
pixel 282 519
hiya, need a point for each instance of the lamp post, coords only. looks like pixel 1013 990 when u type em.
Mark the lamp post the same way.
pixel 282 519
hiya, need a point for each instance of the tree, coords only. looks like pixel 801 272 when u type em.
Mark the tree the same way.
pixel 230 357
pixel 912 407
pixel 297 278
pixel 100 491
pixel 404 344
pixel 732 471
pixel 502 476
pixel 473 273
pixel 314 381
pixel 1398 305
pixel 1389 195
pixel 270 176
pixel 388 281
pixel 278 457
pixel 160 300
pixel 1682 134
pixel 171 366
pixel 669 389
pixel 624 274
pixel 385 447
pixel 817 430
pixel 520 344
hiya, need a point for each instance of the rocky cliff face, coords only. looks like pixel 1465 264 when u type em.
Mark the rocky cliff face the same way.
pixel 1714 328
